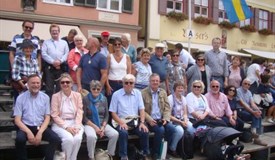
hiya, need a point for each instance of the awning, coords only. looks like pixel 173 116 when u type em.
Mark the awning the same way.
pixel 265 54
pixel 9 28
pixel 204 47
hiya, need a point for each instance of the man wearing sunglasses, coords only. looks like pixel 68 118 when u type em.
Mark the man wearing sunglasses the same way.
pixel 249 111
pixel 14 47
pixel 126 102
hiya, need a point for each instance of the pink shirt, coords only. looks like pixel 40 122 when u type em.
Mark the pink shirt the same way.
pixel 234 77
pixel 220 105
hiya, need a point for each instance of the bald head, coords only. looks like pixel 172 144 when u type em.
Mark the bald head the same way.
pixel 93 44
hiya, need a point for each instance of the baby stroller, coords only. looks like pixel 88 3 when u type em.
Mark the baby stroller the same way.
pixel 221 143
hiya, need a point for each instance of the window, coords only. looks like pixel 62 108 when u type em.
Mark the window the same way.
pixel 174 5
pixel 222 13
pixel 66 2
pixel 127 6
pixel 201 8
pixel 109 5
pixel 91 3
pixel 263 19
pixel 245 22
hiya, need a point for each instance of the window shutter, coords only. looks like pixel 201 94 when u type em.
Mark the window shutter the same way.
pixel 127 6
pixel 256 18
pixel 273 22
pixel 215 11
pixel 269 20
pixel 162 7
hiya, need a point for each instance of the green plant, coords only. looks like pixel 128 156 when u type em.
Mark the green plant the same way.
pixel 202 20
pixel 265 31
pixel 178 16
pixel 248 28
pixel 226 24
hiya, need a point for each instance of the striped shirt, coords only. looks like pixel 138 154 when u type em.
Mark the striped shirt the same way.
pixel 217 61
pixel 17 42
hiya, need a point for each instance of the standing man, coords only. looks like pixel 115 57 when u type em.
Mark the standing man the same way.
pixel 17 41
pixel 217 61
pixel 125 102
pixel 32 116
pixel 185 57
pixel 70 39
pixel 157 115
pixel 92 66
pixel 106 48
pixel 54 52
pixel 249 111
pixel 159 65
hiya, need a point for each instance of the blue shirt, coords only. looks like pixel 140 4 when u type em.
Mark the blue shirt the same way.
pixel 244 95
pixel 17 42
pixel 155 114
pixel 55 50
pixel 91 66
pixel 126 104
pixel 32 110
pixel 159 66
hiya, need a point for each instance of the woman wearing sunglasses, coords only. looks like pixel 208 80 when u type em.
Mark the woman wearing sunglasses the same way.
pixel 67 113
pixel 199 71
pixel 95 120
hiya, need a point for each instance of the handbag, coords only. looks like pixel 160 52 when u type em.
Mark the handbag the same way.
pixel 163 150
pixel 101 154
pixel 16 85
pixel 131 121
pixel 208 121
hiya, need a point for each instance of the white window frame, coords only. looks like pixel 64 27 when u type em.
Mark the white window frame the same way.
pixel 245 22
pixel 222 10
pixel 109 6
pixel 59 2
pixel 201 4
pixel 174 6
pixel 263 19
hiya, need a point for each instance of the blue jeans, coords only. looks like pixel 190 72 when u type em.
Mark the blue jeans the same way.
pixel 115 86
pixel 48 135
pixel 123 140
pixel 160 131
pixel 246 116
pixel 239 123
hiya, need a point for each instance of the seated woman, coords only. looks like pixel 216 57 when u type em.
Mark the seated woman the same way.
pixel 231 93
pixel 179 113
pixel 67 113
pixel 95 120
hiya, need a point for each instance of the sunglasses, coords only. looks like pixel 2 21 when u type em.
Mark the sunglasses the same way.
pixel 26 27
pixel 196 86
pixel 200 59
pixel 67 82
pixel 247 84
pixel 233 90
pixel 96 89
pixel 127 83
pixel 215 86
pixel 175 55
pixel 117 44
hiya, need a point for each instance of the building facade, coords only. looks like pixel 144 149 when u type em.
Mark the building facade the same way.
pixel 208 20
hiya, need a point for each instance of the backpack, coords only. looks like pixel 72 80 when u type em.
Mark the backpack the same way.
pixel 186 147
pixel 134 153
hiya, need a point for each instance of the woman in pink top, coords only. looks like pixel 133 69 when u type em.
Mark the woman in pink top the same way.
pixel 74 58
pixel 67 113
pixel 236 73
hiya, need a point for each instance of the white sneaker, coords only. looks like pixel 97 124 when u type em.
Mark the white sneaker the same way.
pixel 270 120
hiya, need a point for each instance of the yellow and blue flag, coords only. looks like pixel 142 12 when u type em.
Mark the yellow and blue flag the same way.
pixel 237 10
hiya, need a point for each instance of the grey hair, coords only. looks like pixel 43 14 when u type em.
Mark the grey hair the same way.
pixel 95 84
pixel 129 77
pixel 201 83
pixel 78 37
pixel 128 36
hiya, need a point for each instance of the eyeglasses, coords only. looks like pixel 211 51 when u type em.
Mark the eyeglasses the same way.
pixel 27 27
pixel 233 90
pixel 247 84
pixel 175 55
pixel 67 82
pixel 196 86
pixel 215 86
pixel 127 83
pixel 117 44
pixel 96 89
pixel 200 59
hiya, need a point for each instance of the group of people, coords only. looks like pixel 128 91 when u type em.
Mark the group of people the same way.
pixel 150 93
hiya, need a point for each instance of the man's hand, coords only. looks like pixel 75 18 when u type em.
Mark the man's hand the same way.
pixel 257 114
pixel 143 127
pixel 152 123
pixel 31 138
pixel 123 126
pixel 232 121
pixel 38 138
